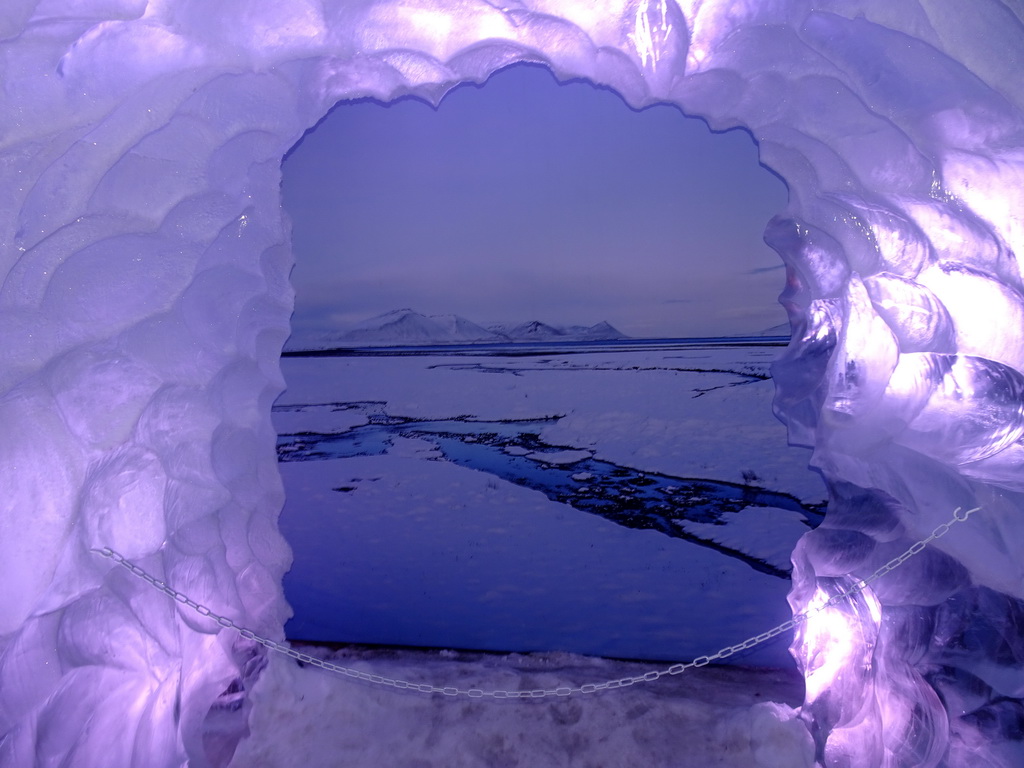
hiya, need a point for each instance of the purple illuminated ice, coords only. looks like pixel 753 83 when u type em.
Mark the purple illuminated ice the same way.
pixel 145 301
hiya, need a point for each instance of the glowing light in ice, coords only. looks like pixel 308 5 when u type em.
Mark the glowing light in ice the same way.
pixel 433 24
pixel 961 290
pixel 650 33
pixel 993 188
pixel 834 637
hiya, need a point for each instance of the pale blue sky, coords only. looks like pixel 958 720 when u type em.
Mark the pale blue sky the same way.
pixel 523 199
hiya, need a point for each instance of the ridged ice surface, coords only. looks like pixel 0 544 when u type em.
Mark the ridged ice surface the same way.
pixel 144 302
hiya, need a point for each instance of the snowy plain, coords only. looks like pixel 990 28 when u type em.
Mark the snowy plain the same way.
pixel 403 546
pixel 689 412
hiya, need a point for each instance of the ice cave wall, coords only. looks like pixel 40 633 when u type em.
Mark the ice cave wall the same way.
pixel 145 300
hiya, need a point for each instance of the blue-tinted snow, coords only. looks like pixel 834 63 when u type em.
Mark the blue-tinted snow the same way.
pixel 426 536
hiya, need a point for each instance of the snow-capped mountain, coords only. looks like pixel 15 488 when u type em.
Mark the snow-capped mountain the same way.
pixel 537 331
pixel 602 331
pixel 531 331
pixel 461 329
pixel 405 327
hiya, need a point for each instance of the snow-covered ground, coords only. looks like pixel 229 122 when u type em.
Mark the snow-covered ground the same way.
pixel 686 412
pixel 426 553
pixel 725 717
pixel 399 544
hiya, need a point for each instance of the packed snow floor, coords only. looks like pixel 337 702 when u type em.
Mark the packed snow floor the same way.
pixel 304 717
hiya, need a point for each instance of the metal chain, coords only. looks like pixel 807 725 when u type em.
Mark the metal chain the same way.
pixel 477 693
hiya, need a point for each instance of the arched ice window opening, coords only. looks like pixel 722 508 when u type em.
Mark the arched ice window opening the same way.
pixel 145 301
pixel 464 490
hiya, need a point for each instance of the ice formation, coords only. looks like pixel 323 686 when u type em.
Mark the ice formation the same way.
pixel 145 300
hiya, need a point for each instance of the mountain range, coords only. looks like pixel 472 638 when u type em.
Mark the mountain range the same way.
pixel 405 327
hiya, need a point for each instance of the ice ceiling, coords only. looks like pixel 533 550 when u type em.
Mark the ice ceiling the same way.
pixel 145 299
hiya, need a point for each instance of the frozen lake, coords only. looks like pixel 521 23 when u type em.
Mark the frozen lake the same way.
pixel 629 500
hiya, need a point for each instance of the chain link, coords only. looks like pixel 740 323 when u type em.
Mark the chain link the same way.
pixel 562 691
